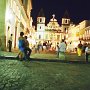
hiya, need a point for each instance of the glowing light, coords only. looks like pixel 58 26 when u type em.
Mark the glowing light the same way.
pixel 8 15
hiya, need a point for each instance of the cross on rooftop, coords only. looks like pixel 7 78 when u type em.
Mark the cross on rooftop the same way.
pixel 53 16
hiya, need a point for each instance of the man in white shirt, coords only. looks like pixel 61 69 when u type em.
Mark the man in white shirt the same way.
pixel 62 48
pixel 70 47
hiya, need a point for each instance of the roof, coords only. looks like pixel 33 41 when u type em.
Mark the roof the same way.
pixel 41 13
pixel 66 15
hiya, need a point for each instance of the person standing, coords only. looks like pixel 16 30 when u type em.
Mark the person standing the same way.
pixel 62 49
pixel 10 43
pixel 79 49
pixel 69 47
pixel 87 52
pixel 57 50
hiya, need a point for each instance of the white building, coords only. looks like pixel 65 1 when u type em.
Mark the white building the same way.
pixel 54 33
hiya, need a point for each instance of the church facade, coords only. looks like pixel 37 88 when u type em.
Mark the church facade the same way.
pixel 54 33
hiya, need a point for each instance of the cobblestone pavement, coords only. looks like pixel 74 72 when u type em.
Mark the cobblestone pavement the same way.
pixel 28 75
pixel 12 75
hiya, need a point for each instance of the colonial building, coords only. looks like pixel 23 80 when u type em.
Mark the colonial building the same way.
pixel 54 33
pixel 15 18
pixel 80 32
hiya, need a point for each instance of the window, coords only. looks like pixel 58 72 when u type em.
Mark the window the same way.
pixel 40 27
pixel 58 37
pixel 64 37
pixel 39 36
pixel 65 29
pixel 46 37
pixel 65 21
pixel 40 20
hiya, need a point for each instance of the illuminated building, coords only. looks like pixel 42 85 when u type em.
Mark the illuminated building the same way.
pixel 53 32
pixel 16 19
pixel 80 32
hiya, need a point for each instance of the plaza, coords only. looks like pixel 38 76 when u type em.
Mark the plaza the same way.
pixel 44 72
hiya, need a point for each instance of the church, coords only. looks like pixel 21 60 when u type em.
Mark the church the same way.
pixel 13 23
pixel 52 32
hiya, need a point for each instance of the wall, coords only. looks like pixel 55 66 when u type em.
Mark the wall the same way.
pixel 2 22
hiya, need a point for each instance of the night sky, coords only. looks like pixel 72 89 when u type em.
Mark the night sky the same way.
pixel 78 10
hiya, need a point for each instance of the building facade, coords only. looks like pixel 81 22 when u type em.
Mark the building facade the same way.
pixel 16 19
pixel 80 32
pixel 54 33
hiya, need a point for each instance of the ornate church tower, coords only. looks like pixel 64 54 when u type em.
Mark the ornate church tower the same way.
pixel 40 25
pixel 65 22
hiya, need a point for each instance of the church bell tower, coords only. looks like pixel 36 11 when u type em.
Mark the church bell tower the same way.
pixel 40 25
pixel 65 22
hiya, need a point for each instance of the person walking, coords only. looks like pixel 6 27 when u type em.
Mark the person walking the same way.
pixel 10 43
pixel 21 46
pixel 27 49
pixel 79 49
pixel 62 49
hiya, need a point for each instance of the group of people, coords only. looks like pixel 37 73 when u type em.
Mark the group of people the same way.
pixel 23 45
pixel 83 49
pixel 24 50
pixel 42 47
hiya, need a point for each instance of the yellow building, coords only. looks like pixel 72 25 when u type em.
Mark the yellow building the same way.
pixel 85 31
pixel 17 19
pixel 80 32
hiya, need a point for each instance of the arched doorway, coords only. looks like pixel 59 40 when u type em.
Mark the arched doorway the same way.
pixel 16 35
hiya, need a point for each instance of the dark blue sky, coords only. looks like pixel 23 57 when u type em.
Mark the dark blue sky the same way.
pixel 78 10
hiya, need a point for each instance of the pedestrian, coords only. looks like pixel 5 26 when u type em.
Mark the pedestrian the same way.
pixel 79 49
pixel 69 47
pixel 84 47
pixel 57 50
pixel 10 42
pixel 36 47
pixel 87 52
pixel 21 46
pixel 62 49
pixel 27 49
pixel 44 46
